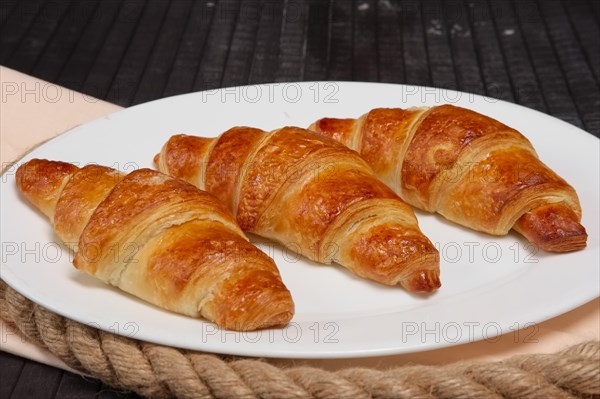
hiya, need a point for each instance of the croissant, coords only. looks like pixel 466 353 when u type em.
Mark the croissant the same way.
pixel 468 167
pixel 312 194
pixel 160 239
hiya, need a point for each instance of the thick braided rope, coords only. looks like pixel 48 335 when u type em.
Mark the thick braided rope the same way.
pixel 159 371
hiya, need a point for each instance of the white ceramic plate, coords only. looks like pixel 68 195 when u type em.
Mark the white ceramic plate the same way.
pixel 491 285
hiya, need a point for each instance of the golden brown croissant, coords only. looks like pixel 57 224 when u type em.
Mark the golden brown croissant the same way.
pixel 468 167
pixel 160 239
pixel 312 194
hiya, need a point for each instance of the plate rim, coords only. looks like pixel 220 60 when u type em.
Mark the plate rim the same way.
pixel 333 354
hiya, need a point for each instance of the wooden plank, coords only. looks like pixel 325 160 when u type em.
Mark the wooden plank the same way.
pixel 185 68
pixel 37 381
pixel 587 30
pixel 37 37
pixel 292 43
pixel 415 47
pixel 266 51
pixel 317 40
pixel 74 386
pixel 11 367
pixel 214 56
pixel 243 42
pixel 389 42
pixel 136 57
pixel 341 48
pixel 519 66
pixel 365 59
pixel 553 84
pixel 469 76
pixel 108 392
pixel 492 62
pixel 580 79
pixel 15 28
pixel 595 6
pixel 6 10
pixel 68 33
pixel 83 57
pixel 437 36
pixel 158 69
pixel 108 60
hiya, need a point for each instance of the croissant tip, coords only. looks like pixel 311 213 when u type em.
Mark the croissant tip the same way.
pixel 423 281
pixel 39 180
pixel 281 312
pixel 553 228
pixel 565 244
pixel 277 320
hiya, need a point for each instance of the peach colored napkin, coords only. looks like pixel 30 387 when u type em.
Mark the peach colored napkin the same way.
pixel 33 111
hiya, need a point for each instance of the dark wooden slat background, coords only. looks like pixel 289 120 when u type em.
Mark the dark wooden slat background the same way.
pixel 542 54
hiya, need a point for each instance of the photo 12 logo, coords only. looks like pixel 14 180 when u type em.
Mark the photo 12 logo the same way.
pixel 9 169
pixel 474 252
pixel 293 333
pixel 39 92
pixel 53 252
pixel 467 331
pixel 317 92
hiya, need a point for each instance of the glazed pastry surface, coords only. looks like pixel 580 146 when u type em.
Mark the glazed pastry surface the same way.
pixel 312 194
pixel 468 167
pixel 160 239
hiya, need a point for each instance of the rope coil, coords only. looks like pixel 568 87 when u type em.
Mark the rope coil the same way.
pixel 160 372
